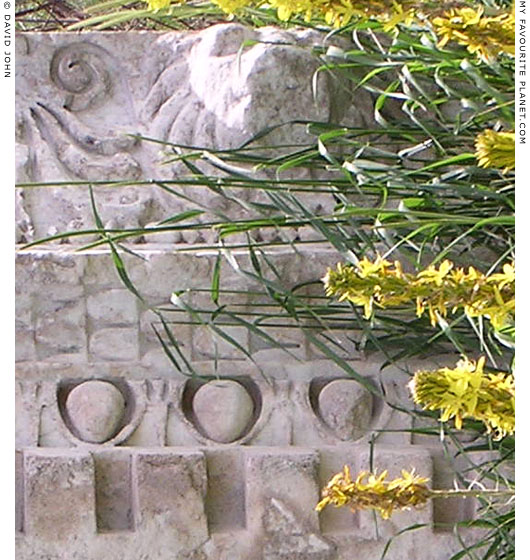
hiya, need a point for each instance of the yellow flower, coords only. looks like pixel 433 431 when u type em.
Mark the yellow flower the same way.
pixel 372 491
pixel 496 149
pixel 231 6
pixel 467 392
pixel 156 5
pixel 436 289
pixel 434 276
pixel 396 16
pixel 485 36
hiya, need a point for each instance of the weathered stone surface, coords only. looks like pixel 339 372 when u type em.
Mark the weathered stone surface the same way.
pixel 223 409
pixel 114 499
pixel 151 432
pixel 78 97
pixel 25 345
pixel 95 410
pixel 59 495
pixel 209 345
pixel 60 329
pixel 112 307
pixel 225 496
pixel 289 539
pixel 114 344
pixel 346 407
pixel 27 406
pixel 286 474
pixel 170 487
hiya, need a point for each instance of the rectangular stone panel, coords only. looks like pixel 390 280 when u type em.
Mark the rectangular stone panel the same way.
pixel 208 345
pixel 59 496
pixel 289 475
pixel 170 487
pixel 113 490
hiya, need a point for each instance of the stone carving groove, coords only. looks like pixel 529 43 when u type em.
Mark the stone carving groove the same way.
pixel 158 412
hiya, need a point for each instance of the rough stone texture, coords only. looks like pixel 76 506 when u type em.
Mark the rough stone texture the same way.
pixel 114 344
pixel 289 539
pixel 95 410
pixel 78 98
pixel 223 410
pixel 170 487
pixel 346 407
pixel 157 395
pixel 112 307
pixel 288 475
pixel 113 480
pixel 59 495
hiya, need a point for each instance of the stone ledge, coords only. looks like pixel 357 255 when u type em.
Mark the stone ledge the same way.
pixel 123 511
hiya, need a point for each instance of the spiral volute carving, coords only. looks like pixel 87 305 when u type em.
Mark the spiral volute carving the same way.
pixel 81 70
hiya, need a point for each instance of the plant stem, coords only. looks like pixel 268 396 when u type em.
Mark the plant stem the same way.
pixel 472 493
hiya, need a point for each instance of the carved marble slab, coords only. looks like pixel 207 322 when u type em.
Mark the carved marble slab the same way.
pixel 80 98
pixel 119 456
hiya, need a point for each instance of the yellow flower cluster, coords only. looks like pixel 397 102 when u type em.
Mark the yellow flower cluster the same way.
pixel 485 36
pixel 231 6
pixel 496 149
pixel 372 491
pixel 467 392
pixel 334 12
pixel 437 289
pixel 156 5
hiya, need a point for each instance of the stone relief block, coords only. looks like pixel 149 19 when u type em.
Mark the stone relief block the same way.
pixel 100 273
pixel 94 413
pixel 288 538
pixel 225 496
pixel 28 408
pixel 62 331
pixel 287 475
pixel 223 410
pixel 59 495
pixel 111 408
pixel 152 429
pixel 25 349
pixel 95 410
pixel 47 268
pixel 23 310
pixel 292 341
pixel 208 344
pixel 170 488
pixel 206 504
pixel 80 106
pixel 19 491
